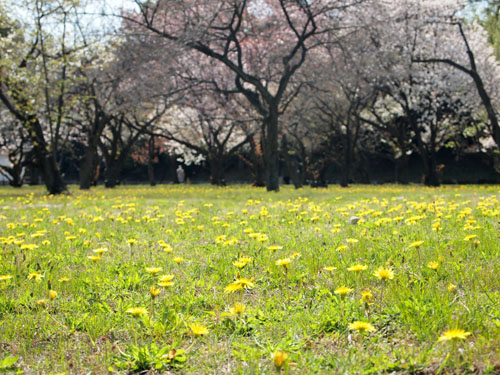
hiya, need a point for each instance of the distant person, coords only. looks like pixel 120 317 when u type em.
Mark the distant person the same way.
pixel 180 174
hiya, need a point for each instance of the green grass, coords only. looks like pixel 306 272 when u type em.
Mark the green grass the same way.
pixel 86 327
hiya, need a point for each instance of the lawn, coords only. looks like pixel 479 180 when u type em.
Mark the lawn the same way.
pixel 202 280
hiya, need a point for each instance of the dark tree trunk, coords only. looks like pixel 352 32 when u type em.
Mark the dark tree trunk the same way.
pixel 87 168
pixel 17 175
pixel 346 165
pixel 50 170
pixel 172 166
pixel 271 155
pixel 431 177
pixel 217 169
pixel 112 173
pixel 291 163
pixel 151 156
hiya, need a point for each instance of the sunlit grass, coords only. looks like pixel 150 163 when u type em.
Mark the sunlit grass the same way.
pixel 196 279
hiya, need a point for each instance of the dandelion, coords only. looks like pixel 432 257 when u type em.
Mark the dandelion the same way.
pixel 239 284
pixel 451 287
pixel 41 302
pixel 454 335
pixel 132 241
pixel 361 326
pixel 166 278
pixel 198 329
pixel 366 296
pixel 329 268
pixel 470 237
pixel 352 240
pixel 237 309
pixel 283 262
pixel 94 258
pixel 63 279
pixel 137 311
pixel 154 292
pixel 384 274
pixel 357 268
pixel 343 291
pixel 153 270
pixel 100 251
pixel 274 247
pixel 52 294
pixel 5 277
pixel 433 265
pixel 165 284
pixel 416 244
pixel 35 276
pixel 279 358
pixel 178 260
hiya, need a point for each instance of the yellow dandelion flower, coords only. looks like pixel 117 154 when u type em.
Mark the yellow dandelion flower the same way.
pixel 357 268
pixel 154 291
pixel 233 287
pixel 165 284
pixel 198 329
pixel 274 247
pixel 352 240
pixel 137 311
pixel 132 241
pixel 35 276
pixel 41 302
pixel 5 277
pixel 343 291
pixel 433 265
pixel 94 258
pixel 239 284
pixel 153 270
pixel 384 273
pixel 178 260
pixel 237 309
pixel 454 334
pixel 283 262
pixel 451 287
pixel 366 296
pixel 100 251
pixel 329 268
pixel 52 294
pixel 361 326
pixel 416 244
pixel 63 279
pixel 470 237
pixel 279 358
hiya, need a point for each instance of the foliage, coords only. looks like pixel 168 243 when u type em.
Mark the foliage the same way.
pixel 138 359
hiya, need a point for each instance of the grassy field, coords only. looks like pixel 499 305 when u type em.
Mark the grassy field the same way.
pixel 203 280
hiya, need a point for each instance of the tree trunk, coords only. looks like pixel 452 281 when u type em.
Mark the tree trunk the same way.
pixel 432 176
pixel 50 170
pixel 271 155
pixel 151 156
pixel 291 163
pixel 346 167
pixel 112 173
pixel 87 168
pixel 17 176
pixel 217 168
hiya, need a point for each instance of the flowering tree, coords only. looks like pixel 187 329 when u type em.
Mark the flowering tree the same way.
pixel 37 69
pixel 261 44
pixel 14 144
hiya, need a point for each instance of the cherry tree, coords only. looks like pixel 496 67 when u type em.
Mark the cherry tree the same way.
pixel 261 44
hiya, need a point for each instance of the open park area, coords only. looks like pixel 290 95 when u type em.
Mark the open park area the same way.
pixel 196 279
